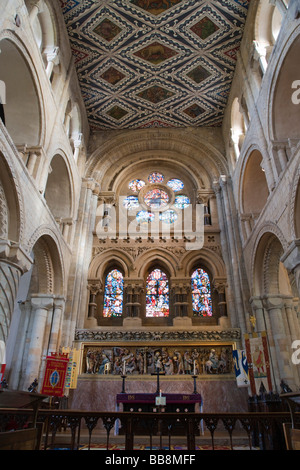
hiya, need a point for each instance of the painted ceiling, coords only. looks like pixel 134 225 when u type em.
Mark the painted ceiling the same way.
pixel 155 63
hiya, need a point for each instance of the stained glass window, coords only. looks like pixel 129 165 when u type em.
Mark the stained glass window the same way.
pixel 136 185
pixel 181 202
pixel 156 198
pixel 169 217
pixel 157 294
pixel 156 177
pixel 201 294
pixel 113 294
pixel 175 184
pixel 131 202
pixel 144 216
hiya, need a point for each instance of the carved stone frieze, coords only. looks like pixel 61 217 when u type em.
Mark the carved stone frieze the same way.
pixel 84 335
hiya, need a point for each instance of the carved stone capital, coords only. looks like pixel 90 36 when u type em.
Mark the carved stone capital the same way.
pixel 13 253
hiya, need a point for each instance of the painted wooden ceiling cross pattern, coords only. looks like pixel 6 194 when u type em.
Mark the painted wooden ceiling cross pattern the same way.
pixel 155 63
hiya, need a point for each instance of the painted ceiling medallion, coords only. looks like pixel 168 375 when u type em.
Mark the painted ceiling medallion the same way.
pixel 204 28
pixel 156 94
pixel 107 30
pixel 155 53
pixel 155 63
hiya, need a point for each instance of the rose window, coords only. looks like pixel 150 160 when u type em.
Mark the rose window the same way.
pixel 156 197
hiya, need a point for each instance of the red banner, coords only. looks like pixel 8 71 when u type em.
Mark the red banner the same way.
pixel 55 375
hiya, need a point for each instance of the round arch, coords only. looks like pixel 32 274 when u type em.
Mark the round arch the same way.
pixel 23 108
pixel 59 192
pixel 47 274
pixel 156 258
pixel 102 262
pixel 178 147
pixel 284 98
pixel 207 258
pixel 269 275
pixel 253 175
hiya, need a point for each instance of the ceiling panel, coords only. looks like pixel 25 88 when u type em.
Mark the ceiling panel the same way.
pixel 155 63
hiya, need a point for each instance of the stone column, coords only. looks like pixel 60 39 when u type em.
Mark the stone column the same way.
pixel 279 339
pixel 235 256
pixel 94 288
pixel 52 60
pixel 35 10
pixel 82 248
pixel 258 311
pixel 55 331
pixel 41 304
pixel 77 146
pixel 219 286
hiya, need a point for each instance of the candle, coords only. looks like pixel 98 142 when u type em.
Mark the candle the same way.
pixel 124 367
pixel 194 367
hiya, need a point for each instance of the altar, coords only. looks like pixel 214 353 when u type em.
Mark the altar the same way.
pixel 175 402
pixel 147 402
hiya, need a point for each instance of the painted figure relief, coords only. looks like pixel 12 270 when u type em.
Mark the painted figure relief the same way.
pixel 113 294
pixel 167 360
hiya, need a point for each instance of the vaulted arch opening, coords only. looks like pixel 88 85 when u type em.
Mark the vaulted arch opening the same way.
pixel 58 192
pixel 22 110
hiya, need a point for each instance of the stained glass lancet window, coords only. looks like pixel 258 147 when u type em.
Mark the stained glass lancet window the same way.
pixel 201 294
pixel 113 294
pixel 157 294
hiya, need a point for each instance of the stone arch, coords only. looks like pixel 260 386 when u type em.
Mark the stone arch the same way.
pixel 253 176
pixel 23 110
pixel 167 261
pixel 180 147
pixel 285 93
pixel 59 192
pixel 273 305
pixel 103 261
pixel 206 257
pixel 47 274
pixel 269 275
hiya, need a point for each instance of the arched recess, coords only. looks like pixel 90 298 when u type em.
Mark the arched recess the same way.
pixel 285 97
pixel 238 127
pixel 254 188
pixel 58 192
pixel 38 315
pixel 273 306
pixel 47 274
pixel 22 109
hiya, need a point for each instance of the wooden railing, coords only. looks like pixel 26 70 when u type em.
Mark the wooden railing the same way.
pixel 263 430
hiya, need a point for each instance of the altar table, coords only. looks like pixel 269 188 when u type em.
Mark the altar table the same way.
pixel 175 402
pixel 146 401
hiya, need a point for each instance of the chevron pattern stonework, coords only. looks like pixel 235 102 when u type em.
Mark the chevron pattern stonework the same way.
pixel 155 63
